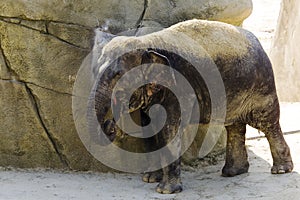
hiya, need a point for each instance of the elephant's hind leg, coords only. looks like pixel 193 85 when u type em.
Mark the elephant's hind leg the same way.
pixel 266 120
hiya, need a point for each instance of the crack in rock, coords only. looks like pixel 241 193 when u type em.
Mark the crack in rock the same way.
pixel 49 89
pixel 30 83
pixel 17 20
pixel 53 141
pixel 139 23
pixel 26 24
pixel 36 110
pixel 12 74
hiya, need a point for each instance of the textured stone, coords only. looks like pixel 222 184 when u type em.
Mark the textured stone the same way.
pixel 24 142
pixel 123 15
pixel 4 72
pixel 49 66
pixel 73 34
pixel 56 113
pixel 39 58
pixel 173 11
pixel 35 25
pixel 285 52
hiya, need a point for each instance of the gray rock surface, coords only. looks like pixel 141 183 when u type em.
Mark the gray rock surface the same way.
pixel 173 11
pixel 24 138
pixel 122 15
pixel 285 52
pixel 42 45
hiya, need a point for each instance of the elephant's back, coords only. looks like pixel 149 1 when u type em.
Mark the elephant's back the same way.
pixel 242 62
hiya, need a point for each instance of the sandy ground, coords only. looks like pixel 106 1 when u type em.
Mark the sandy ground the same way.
pixel 200 183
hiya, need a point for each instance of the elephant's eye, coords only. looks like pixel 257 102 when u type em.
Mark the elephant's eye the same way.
pixel 152 88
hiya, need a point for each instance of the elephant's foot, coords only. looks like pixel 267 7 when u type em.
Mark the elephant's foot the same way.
pixel 282 168
pixel 168 188
pixel 234 170
pixel 153 177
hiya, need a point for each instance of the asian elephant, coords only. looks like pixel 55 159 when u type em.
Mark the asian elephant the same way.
pixel 246 73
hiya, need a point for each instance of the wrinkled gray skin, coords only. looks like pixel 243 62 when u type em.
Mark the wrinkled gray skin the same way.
pixel 251 99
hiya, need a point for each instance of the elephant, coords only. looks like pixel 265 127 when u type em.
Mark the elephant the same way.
pixel 249 88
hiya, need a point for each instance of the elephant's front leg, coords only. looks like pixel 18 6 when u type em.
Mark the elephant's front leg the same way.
pixel 171 136
pixel 171 182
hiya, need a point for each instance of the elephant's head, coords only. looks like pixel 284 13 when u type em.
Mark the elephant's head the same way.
pixel 141 57
pixel 105 95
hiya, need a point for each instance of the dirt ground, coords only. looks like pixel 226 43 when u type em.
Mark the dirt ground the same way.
pixel 199 183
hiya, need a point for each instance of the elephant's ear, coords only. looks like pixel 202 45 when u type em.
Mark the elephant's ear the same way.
pixel 152 56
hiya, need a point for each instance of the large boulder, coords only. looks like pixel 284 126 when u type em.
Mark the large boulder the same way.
pixel 120 15
pixel 42 46
pixel 285 52
pixel 171 12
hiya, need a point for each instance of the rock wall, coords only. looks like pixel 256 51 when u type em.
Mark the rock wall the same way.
pixel 285 52
pixel 42 45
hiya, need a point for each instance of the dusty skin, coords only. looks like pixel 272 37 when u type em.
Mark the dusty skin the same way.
pixel 245 71
pixel 200 183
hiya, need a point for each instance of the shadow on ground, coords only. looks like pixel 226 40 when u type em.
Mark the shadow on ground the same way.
pixel 259 183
